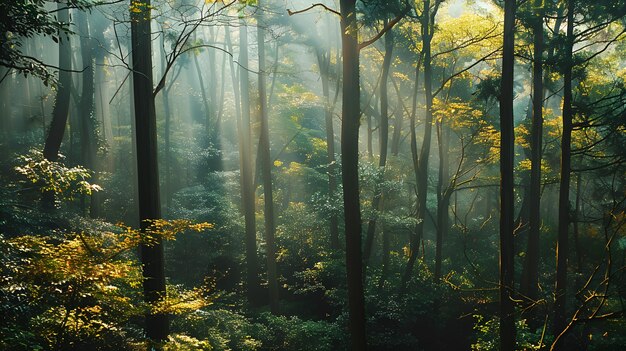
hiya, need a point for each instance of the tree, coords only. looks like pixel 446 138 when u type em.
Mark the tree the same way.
pixel 562 247
pixel 245 150
pixel 266 165
pixel 532 255
pixel 25 19
pixel 350 171
pixel 157 324
pixel 383 139
pixel 507 200
pixel 427 19
pixel 62 103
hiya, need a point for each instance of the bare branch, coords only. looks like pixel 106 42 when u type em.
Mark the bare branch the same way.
pixel 291 13
pixel 387 28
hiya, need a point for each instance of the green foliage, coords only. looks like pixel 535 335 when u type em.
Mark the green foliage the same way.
pixel 295 334
pixel 26 19
pixel 63 291
pixel 488 336
pixel 66 182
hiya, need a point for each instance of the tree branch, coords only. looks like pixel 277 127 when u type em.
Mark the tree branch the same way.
pixel 291 13
pixel 387 28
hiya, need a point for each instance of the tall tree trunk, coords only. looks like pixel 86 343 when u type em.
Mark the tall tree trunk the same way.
pixel 270 226
pixel 62 103
pixel 167 133
pixel 350 173
pixel 323 60
pixel 157 324
pixel 422 162
pixel 397 128
pixel 247 172
pixel 507 200
pixel 414 240
pixel 531 285
pixel 444 192
pixel 88 123
pixel 562 246
pixel 383 139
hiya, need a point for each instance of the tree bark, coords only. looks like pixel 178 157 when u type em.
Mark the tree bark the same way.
pixel 247 172
pixel 270 226
pixel 422 162
pixel 531 285
pixel 507 200
pixel 88 134
pixel 157 325
pixel 383 139
pixel 444 192
pixel 61 108
pixel 564 186
pixel 323 60
pixel 414 240
pixel 350 173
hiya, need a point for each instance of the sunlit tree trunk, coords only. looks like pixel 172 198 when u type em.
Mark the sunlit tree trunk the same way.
pixel 422 161
pixel 383 139
pixel 564 186
pixel 270 226
pixel 88 134
pixel 444 192
pixel 246 170
pixel 397 129
pixel 323 60
pixel 350 173
pixel 62 103
pixel 507 308
pixel 167 133
pixel 157 325
pixel 414 240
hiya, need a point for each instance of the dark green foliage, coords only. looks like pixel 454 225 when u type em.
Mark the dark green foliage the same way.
pixel 20 20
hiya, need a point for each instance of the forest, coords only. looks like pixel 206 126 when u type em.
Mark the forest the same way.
pixel 313 176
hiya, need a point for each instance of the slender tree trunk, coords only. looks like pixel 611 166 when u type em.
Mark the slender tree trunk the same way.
pixel 444 192
pixel 323 60
pixel 167 133
pixel 507 308
pixel 531 286
pixel 562 246
pixel 383 138
pixel 414 239
pixel 88 123
pixel 576 230
pixel 422 162
pixel 270 226
pixel 397 129
pixel 350 173
pixel 157 324
pixel 62 103
pixel 247 172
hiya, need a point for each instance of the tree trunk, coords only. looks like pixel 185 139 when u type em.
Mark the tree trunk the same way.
pixel 444 192
pixel 88 123
pixel 350 173
pixel 157 325
pixel 270 226
pixel 422 162
pixel 507 200
pixel 383 139
pixel 62 103
pixel 246 171
pixel 323 60
pixel 564 187
pixel 531 285
pixel 414 240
